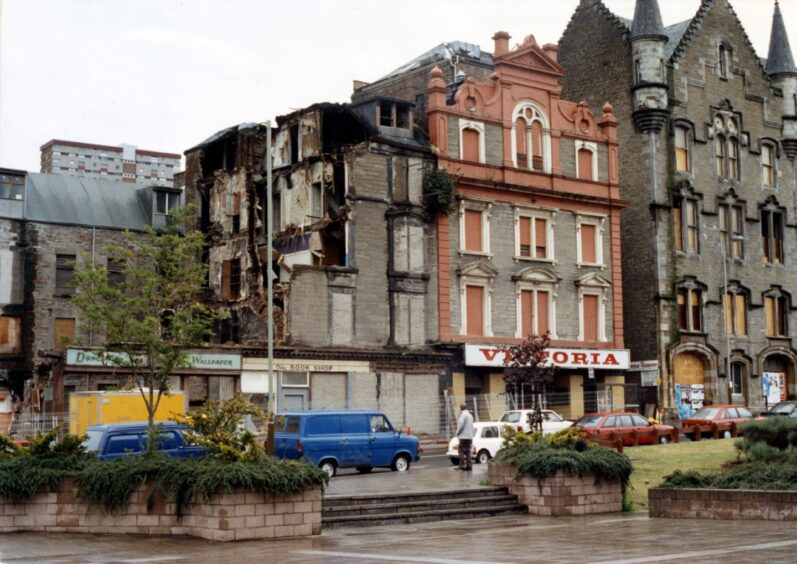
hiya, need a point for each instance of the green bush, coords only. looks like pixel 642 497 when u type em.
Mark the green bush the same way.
pixel 556 453
pixel 41 467
pixel 767 461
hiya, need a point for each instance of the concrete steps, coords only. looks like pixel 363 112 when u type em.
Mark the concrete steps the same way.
pixel 370 510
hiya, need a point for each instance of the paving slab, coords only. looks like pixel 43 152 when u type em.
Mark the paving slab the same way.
pixel 624 538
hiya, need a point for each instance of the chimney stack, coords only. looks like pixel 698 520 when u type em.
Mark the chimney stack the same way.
pixel 501 39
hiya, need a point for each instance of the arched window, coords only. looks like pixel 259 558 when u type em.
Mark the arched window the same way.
pixel 531 138
pixel 724 61
pixel 690 306
pixel 719 152
pixel 737 377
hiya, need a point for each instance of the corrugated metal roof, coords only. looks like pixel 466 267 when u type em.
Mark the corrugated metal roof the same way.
pixel 57 198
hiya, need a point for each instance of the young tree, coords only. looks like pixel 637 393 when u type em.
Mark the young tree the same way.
pixel 529 367
pixel 148 311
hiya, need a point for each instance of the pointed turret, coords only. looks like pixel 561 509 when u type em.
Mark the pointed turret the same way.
pixel 647 21
pixel 650 85
pixel 783 73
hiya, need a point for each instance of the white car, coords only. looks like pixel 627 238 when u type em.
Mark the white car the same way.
pixel 486 442
pixel 519 419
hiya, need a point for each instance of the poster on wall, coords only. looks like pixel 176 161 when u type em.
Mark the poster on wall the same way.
pixel 774 387
pixel 690 398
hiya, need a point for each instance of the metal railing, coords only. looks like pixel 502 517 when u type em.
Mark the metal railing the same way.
pixel 26 425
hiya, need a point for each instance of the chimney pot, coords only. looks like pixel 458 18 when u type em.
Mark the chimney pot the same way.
pixel 501 39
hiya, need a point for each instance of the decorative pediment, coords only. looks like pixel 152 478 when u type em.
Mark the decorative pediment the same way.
pixel 479 269
pixel 530 55
pixel 535 274
pixel 593 280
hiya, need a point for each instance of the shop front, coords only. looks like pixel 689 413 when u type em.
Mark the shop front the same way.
pixel 585 380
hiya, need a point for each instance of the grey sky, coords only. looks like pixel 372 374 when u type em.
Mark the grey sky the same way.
pixel 165 74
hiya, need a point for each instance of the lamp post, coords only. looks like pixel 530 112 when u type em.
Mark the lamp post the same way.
pixel 726 307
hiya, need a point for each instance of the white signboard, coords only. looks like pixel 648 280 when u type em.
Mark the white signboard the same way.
pixel 774 387
pixel 253 382
pixel 601 359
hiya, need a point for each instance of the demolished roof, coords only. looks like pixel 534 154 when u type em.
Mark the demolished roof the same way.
pixel 450 51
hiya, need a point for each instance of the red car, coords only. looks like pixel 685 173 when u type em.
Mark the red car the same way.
pixel 723 416
pixel 627 426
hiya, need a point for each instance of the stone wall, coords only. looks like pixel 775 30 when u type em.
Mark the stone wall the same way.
pixel 224 517
pixel 723 504
pixel 560 494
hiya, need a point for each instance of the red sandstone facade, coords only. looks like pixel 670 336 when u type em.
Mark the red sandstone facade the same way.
pixel 534 244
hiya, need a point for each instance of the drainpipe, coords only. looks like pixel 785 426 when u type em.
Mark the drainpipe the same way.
pixel 654 178
pixel 272 384
pixel 93 251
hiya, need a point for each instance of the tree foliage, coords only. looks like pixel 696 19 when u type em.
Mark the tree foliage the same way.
pixel 153 313
pixel 528 367
pixel 217 426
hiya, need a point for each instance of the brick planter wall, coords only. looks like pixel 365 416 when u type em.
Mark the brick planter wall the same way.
pixel 224 517
pixel 723 504
pixel 560 494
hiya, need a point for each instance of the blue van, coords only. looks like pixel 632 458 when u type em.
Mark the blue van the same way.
pixel 345 439
pixel 115 440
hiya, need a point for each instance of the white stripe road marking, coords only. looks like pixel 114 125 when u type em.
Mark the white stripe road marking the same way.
pixel 703 553
pixel 152 559
pixel 389 558
pixel 623 520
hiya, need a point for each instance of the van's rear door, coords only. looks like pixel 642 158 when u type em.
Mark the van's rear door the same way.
pixel 286 438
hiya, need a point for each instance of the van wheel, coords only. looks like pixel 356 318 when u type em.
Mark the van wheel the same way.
pixel 329 467
pixel 364 469
pixel 483 457
pixel 401 463
pixel 454 461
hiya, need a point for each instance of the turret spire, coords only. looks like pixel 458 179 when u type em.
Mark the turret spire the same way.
pixel 780 60
pixel 647 20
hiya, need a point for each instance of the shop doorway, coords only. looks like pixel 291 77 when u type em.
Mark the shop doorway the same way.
pixel 689 375
pixel 294 399
pixel 775 379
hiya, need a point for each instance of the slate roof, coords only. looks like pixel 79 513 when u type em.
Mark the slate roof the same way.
pixel 780 59
pixel 92 202
pixel 447 50
pixel 647 20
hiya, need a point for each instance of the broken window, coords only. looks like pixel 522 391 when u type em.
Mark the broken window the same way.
pixel 294 134
pixel 316 201
pixel 233 209
pixel 229 330
pixel 10 334
pixel 276 211
pixel 64 272
pixel 165 201
pixel 231 279
pixel 116 272
pixel 390 114
pixel 386 117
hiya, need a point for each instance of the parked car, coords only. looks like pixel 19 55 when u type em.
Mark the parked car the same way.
pixel 519 419
pixel 345 439
pixel 486 442
pixel 623 424
pixel 114 440
pixel 782 409
pixel 721 415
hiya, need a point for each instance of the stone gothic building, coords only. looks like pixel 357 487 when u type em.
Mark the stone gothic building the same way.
pixel 709 139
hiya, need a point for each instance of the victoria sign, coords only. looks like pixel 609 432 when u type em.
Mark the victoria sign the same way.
pixel 606 359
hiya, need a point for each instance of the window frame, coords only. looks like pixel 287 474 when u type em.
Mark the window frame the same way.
pixel 534 214
pixel 779 313
pixel 686 149
pixel 485 208
pixel 599 222
pixel 733 239
pixel 480 129
pixel 593 285
pixel 592 148
pixel 732 318
pixel 768 147
pixel 691 290
pixel 64 263
pixel 773 245
pixel 682 226
pixel 476 274
pixel 536 280
pixel 538 115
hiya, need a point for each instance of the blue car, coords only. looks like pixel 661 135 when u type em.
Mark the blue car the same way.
pixel 345 439
pixel 115 440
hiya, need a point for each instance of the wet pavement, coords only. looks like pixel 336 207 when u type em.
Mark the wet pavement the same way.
pixel 627 538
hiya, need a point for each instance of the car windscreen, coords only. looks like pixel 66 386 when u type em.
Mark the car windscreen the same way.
pixel 511 417
pixel 92 442
pixel 705 413
pixel 551 416
pixel 783 408
pixel 588 421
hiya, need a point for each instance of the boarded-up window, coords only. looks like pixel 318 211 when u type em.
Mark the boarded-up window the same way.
pixel 588 243
pixel 541 238
pixel 677 225
pixel 64 271
pixel 231 279
pixel 527 312
pixel 10 334
pixel 474 296
pixel 585 164
pixel 64 327
pixel 470 145
pixel 591 317
pixel 775 310
pixel 543 323
pixel 735 313
pixel 534 312
pixel 692 226
pixel 473 231
pixel 525 236
pixel 681 149
pixel 342 323
pixel 520 139
pixel 537 162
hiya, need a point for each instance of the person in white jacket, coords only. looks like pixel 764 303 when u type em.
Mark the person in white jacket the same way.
pixel 465 436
